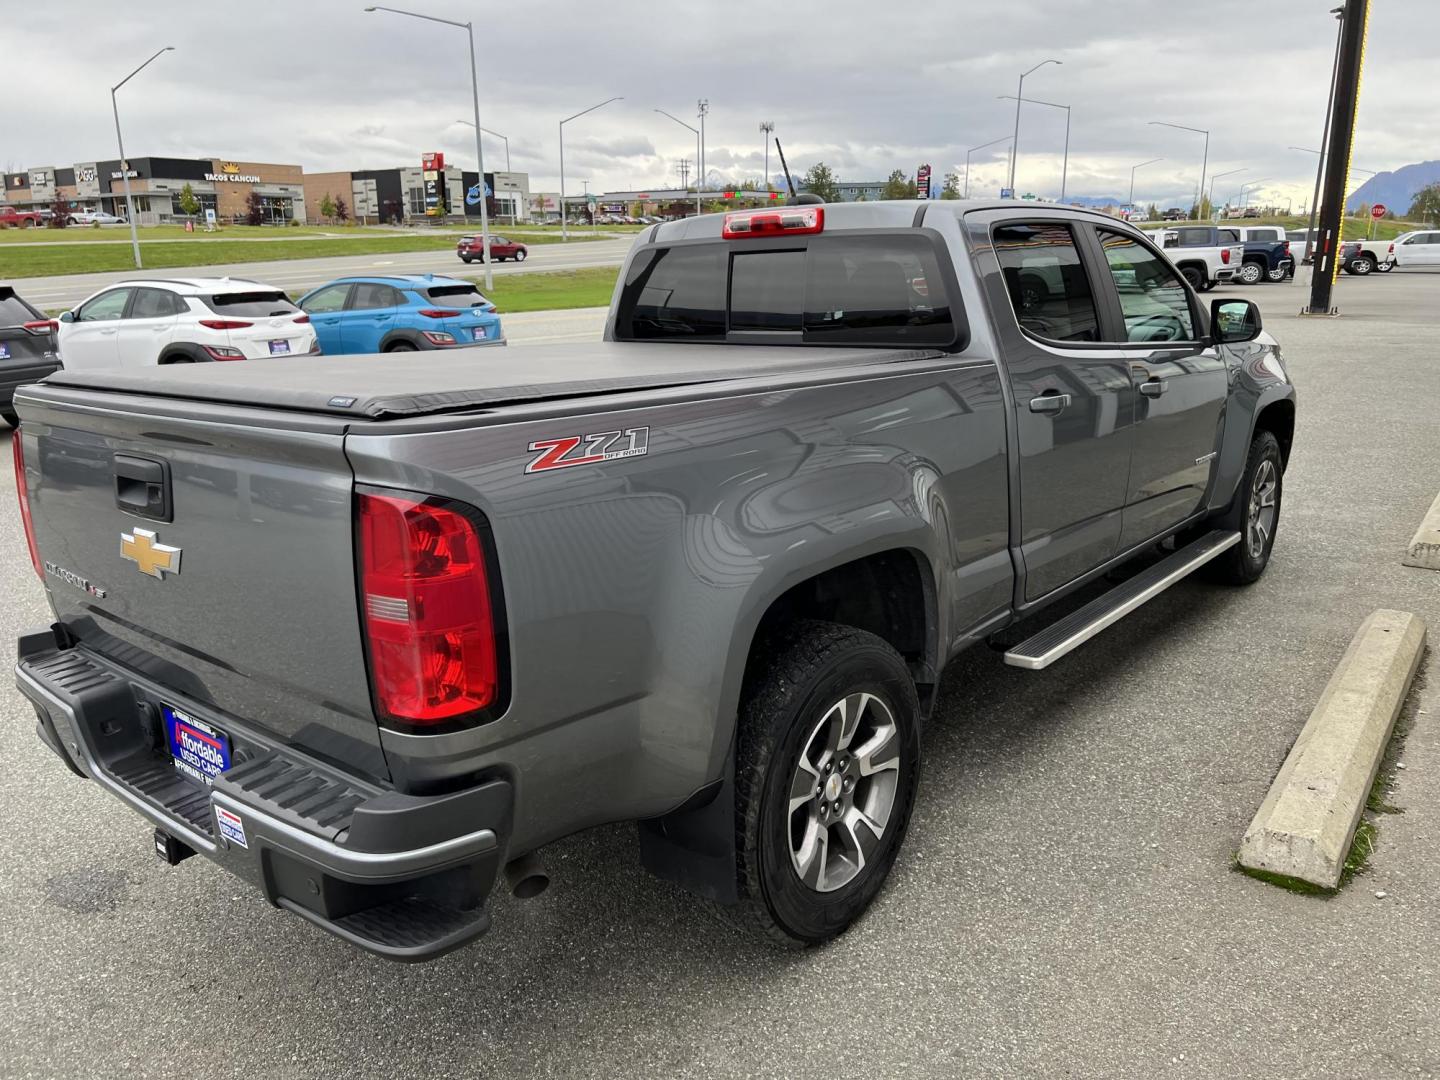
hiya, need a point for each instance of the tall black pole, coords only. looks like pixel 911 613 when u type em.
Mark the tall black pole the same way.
pixel 1344 106
pixel 1339 14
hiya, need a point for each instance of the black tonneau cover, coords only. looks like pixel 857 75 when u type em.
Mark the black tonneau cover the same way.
pixel 411 384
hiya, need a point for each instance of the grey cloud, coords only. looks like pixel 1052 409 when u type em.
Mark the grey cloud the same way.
pixel 328 87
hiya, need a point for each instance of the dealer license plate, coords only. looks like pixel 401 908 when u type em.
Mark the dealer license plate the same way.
pixel 278 348
pixel 200 751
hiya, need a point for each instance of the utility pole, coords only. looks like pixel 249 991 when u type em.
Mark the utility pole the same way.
pixel 1344 105
pixel 767 128
pixel 1339 14
pixel 704 110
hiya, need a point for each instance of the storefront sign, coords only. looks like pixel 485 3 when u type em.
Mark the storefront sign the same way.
pixel 118 175
pixel 85 174
pixel 230 172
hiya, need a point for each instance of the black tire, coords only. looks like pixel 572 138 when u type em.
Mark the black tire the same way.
pixel 1361 265
pixel 520 255
pixel 800 678
pixel 1384 267
pixel 10 416
pixel 401 346
pixel 1194 276
pixel 1280 274
pixel 1207 286
pixel 1251 273
pixel 1244 563
pixel 466 259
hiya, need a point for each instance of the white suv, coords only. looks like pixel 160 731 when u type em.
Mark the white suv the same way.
pixel 183 321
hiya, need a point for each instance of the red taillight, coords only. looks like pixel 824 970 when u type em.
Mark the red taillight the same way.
pixel 1225 255
pixel 23 491
pixel 1392 250
pixel 1287 247
pixel 301 318
pixel 429 619
pixel 225 324
pixel 438 313
pixel 43 326
pixel 791 221
pixel 223 352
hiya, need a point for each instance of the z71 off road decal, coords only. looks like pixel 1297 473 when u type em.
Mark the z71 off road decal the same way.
pixel 588 449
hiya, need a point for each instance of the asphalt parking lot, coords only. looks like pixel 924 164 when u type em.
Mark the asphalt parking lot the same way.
pixel 1065 904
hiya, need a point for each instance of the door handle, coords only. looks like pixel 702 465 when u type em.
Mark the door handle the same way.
pixel 1153 386
pixel 1049 402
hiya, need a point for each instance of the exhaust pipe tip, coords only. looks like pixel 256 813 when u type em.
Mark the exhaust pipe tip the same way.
pixel 526 877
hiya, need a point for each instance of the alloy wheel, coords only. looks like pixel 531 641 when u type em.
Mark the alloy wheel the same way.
pixel 1260 522
pixel 842 792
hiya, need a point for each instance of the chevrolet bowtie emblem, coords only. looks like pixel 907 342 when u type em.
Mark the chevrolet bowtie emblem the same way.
pixel 152 558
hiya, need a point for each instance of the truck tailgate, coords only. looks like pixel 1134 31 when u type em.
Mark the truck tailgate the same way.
pixel 240 597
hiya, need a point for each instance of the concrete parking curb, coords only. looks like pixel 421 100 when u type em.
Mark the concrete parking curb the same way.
pixel 1304 827
pixel 1424 550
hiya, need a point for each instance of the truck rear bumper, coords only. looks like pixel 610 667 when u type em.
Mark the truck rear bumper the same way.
pixel 401 876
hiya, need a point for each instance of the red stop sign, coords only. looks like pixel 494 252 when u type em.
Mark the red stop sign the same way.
pixel 1378 210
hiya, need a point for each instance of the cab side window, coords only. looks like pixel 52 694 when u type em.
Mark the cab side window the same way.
pixel 1152 297
pixel 1046 280
pixel 110 305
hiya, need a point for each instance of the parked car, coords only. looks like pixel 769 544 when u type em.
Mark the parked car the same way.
pixel 1267 253
pixel 94 217
pixel 27 348
pixel 1362 257
pixel 1418 248
pixel 183 321
pixel 469 249
pixel 706 574
pixel 1174 214
pixel 11 218
pixel 400 314
pixel 1207 256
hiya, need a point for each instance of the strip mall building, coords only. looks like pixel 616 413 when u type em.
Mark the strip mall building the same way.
pixel 286 192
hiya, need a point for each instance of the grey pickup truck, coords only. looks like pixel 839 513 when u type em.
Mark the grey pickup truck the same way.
pixel 370 632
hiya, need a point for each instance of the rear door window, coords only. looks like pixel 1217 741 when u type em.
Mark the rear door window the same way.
pixel 155 304
pixel 370 295
pixel 1046 280
pixel 255 304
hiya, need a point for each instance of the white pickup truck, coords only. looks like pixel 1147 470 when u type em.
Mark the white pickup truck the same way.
pixel 1204 256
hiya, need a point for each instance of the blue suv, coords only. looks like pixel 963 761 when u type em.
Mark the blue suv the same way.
pixel 400 314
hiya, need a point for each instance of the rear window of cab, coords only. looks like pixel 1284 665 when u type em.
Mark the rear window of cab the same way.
pixel 874 289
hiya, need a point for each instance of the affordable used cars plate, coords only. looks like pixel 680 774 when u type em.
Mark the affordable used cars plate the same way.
pixel 200 751
pixel 278 348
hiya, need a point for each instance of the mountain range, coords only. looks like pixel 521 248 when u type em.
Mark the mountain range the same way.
pixel 1395 189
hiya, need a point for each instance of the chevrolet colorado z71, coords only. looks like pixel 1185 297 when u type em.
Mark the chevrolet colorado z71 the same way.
pixel 368 632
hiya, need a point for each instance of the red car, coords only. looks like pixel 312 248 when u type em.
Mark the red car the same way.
pixel 19 219
pixel 500 249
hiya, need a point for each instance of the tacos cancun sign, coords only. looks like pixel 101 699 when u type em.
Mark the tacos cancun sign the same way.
pixel 231 172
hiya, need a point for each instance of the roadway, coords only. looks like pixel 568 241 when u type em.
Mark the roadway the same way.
pixel 296 276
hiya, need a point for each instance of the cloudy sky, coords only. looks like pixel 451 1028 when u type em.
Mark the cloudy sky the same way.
pixel 864 86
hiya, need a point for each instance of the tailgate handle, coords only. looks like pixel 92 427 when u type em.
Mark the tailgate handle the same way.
pixel 142 487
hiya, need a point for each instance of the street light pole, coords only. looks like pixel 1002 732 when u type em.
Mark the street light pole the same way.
pixel 1245 190
pixel 479 149
pixel 497 135
pixel 125 165
pixel 1065 165
pixel 1015 144
pixel 1152 161
pixel 703 105
pixel 696 130
pixel 1210 195
pixel 1204 160
pixel 972 150
pixel 564 220
pixel 767 128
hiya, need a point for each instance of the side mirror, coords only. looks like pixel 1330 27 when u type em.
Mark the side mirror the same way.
pixel 67 316
pixel 1234 321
